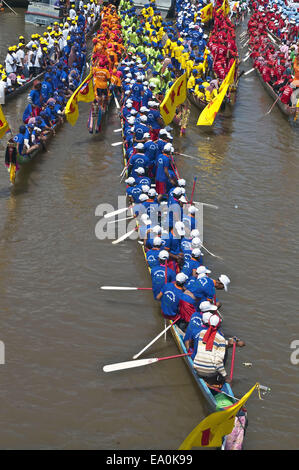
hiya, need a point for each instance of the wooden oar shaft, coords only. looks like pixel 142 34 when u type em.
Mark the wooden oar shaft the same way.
pixel 233 360
pixel 155 339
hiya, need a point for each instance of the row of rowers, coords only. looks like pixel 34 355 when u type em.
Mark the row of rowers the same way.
pixel 168 226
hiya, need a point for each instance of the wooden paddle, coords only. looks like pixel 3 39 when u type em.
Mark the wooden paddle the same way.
pixel 119 211
pixel 124 288
pixel 125 236
pixel 139 363
pixel 155 339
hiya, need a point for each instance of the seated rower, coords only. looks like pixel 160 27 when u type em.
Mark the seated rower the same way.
pixel 152 255
pixel 170 295
pixel 196 322
pixel 190 265
pixel 158 273
pixel 211 352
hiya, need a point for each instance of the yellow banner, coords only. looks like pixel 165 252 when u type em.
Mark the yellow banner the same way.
pixel 208 114
pixel 175 96
pixel 84 92
pixel 210 432
pixel 230 77
pixel 206 13
pixel 4 127
pixel 224 7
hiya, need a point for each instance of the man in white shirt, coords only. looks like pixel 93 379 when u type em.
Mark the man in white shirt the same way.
pixel 9 62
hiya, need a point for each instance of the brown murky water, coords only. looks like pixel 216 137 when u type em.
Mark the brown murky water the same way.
pixel 59 329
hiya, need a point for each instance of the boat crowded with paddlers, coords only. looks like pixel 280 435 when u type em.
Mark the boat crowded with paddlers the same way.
pixel 19 84
pixel 275 60
pixel 45 111
pixel 172 247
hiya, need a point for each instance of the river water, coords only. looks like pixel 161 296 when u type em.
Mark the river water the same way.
pixel 59 329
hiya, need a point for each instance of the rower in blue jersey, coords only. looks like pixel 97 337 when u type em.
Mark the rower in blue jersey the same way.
pixel 170 296
pixel 152 255
pixel 190 266
pixel 47 88
pixel 141 177
pixel 190 219
pixel 148 94
pixel 158 273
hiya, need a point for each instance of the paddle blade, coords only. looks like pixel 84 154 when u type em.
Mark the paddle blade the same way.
pixel 112 214
pixel 116 143
pixel 118 288
pixel 124 237
pixel 129 364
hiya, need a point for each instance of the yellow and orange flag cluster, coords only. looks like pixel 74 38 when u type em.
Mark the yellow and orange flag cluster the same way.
pixel 207 116
pixel 175 96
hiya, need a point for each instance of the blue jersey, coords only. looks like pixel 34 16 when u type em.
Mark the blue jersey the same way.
pixel 150 150
pixel 202 288
pixel 191 264
pixel 19 139
pixel 158 278
pixel 152 118
pixel 170 299
pixel 162 162
pixel 152 257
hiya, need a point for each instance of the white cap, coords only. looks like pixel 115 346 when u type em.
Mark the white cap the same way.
pixel 131 120
pixel 145 219
pixel 130 180
pixel 144 109
pixel 143 197
pixel 192 209
pixel 181 277
pixel 163 131
pixel 181 182
pixel 196 252
pixel 146 135
pixel 157 229
pixel 206 317
pixel 202 270
pixel 129 104
pixel 196 242
pixel 152 192
pixel 143 118
pixel 133 111
pixel 167 148
pixel 206 306
pixel 140 170
pixel 163 254
pixel 194 233
pixel 214 320
pixel 225 281
pixel 145 188
pixel 157 241
pixel 139 146
pixel 177 191
pixel 180 228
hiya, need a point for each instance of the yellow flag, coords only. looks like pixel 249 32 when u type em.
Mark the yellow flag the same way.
pixel 206 13
pixel 230 77
pixel 224 7
pixel 208 114
pixel 4 127
pixel 210 432
pixel 175 96
pixel 72 110
pixel 84 92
